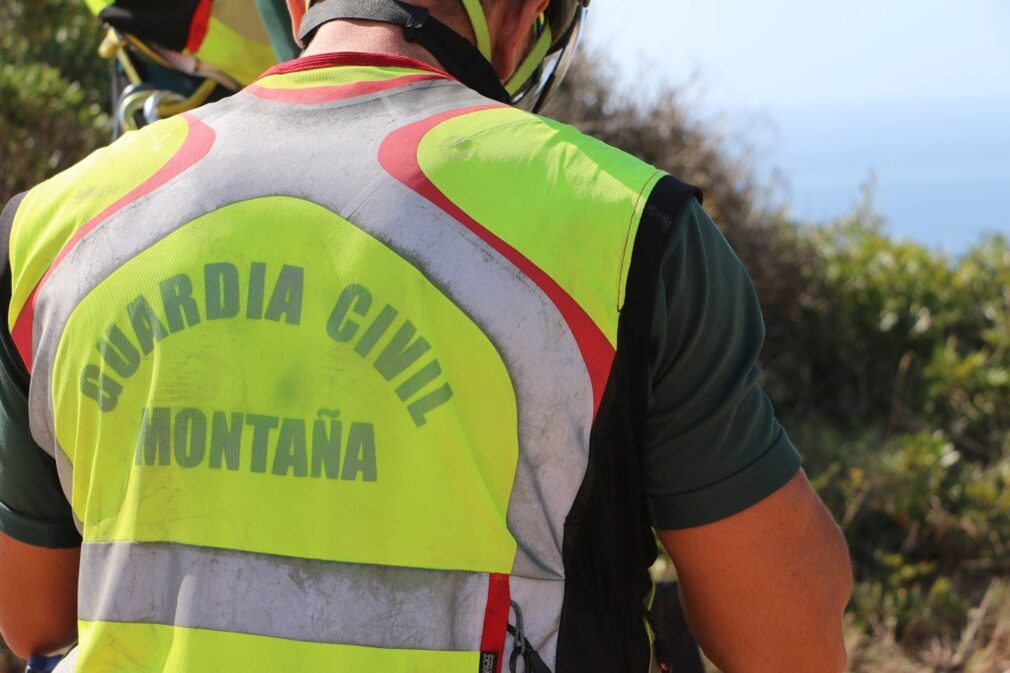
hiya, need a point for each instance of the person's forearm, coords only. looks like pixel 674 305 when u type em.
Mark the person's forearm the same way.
pixel 817 648
pixel 765 590
pixel 38 597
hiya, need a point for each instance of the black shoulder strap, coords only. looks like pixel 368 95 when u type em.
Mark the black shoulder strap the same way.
pixel 458 56
pixel 6 222
pixel 663 209
pixel 601 623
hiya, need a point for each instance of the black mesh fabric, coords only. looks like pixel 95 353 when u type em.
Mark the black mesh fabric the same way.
pixel 609 544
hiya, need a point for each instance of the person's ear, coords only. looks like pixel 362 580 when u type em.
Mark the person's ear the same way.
pixel 514 34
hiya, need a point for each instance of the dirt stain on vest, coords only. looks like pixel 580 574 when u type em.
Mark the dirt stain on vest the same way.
pixel 121 350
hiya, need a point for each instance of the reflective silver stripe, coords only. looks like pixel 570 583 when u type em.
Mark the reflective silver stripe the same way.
pixel 296 599
pixel 539 601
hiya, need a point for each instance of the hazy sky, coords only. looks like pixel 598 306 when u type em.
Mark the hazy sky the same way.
pixel 756 53
pixel 913 92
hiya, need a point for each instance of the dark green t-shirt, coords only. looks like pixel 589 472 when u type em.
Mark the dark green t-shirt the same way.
pixel 712 446
pixel 33 508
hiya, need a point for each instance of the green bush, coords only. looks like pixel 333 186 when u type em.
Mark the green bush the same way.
pixel 905 418
pixel 969 377
pixel 872 311
pixel 53 90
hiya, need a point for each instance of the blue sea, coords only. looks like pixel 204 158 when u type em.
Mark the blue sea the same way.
pixel 941 169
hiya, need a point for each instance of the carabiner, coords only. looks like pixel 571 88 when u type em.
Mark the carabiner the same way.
pixel 131 102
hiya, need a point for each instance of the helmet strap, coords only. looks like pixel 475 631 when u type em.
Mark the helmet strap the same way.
pixel 534 59
pixel 458 56
pixel 478 21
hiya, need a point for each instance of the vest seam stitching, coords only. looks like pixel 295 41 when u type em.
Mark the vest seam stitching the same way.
pixel 484 131
pixel 627 235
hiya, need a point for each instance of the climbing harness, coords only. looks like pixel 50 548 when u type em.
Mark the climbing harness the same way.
pixel 140 102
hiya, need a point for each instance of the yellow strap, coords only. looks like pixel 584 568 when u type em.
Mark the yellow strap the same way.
pixel 480 29
pixel 198 98
pixel 114 46
pixel 529 65
pixel 148 53
pixel 110 44
pixel 131 72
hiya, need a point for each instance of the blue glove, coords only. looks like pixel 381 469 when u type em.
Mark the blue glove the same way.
pixel 41 664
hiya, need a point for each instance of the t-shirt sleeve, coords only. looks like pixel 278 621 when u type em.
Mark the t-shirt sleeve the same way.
pixel 712 446
pixel 33 508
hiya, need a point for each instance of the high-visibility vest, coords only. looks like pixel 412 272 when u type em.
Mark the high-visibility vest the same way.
pixel 333 375
pixel 205 37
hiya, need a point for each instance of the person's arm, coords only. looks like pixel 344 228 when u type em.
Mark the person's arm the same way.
pixel 764 570
pixel 764 590
pixel 39 543
pixel 38 597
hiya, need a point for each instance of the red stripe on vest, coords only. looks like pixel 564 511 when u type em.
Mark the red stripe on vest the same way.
pixel 341 58
pixel 496 617
pixel 398 156
pixel 199 26
pixel 196 146
pixel 329 94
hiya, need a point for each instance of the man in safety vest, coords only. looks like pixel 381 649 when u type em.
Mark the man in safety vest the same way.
pixel 365 369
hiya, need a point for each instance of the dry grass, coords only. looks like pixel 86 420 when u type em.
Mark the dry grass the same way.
pixel 982 647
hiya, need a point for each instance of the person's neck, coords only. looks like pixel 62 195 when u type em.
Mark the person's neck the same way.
pixel 367 37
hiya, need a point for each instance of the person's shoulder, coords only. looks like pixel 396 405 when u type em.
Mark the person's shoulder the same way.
pixel 511 139
pixel 108 174
pixel 567 138
pixel 55 211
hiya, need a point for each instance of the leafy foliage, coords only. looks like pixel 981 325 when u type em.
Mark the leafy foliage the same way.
pixel 906 420
pixel 53 90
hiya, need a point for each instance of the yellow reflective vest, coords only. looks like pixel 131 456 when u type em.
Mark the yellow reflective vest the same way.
pixel 333 374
